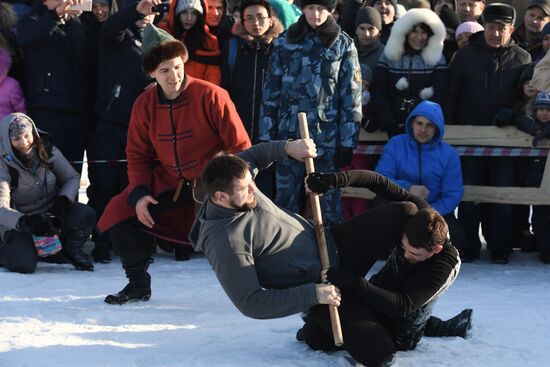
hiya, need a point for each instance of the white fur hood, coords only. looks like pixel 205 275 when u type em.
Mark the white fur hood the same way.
pixel 431 54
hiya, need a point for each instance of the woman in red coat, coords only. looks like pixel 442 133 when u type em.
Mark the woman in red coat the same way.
pixel 175 128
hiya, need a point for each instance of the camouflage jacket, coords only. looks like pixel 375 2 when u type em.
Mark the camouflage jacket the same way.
pixel 316 72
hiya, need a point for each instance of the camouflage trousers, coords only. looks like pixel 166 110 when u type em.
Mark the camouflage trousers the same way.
pixel 290 176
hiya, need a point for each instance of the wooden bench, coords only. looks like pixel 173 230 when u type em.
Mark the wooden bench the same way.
pixel 481 136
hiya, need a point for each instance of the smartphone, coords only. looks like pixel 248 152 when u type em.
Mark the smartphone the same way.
pixel 162 8
pixel 85 6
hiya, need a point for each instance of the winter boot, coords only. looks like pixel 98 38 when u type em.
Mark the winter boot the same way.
pixel 182 252
pixel 102 252
pixel 138 287
pixel 73 248
pixel 457 326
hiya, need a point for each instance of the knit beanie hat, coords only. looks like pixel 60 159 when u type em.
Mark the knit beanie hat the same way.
pixel 189 4
pixel 468 27
pixel 369 15
pixel 449 17
pixel 526 74
pixel 153 36
pixel 19 125
pixel 394 3
pixel 545 30
pixel 542 100
pixel 329 4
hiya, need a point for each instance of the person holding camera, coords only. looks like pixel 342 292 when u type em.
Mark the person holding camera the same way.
pixel 37 214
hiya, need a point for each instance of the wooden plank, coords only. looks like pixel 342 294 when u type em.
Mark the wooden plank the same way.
pixel 507 136
pixel 480 194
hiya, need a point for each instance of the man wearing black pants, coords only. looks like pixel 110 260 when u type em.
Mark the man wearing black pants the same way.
pixel 267 260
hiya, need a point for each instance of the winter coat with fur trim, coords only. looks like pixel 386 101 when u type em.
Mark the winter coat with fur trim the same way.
pixel 403 77
pixel 317 72
pixel 483 80
pixel 35 192
pixel 244 76
pixel 435 165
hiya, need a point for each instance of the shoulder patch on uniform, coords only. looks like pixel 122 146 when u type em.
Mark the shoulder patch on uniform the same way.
pixel 357 77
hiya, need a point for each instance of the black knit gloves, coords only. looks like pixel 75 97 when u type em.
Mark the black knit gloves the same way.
pixel 60 206
pixel 36 224
pixel 323 182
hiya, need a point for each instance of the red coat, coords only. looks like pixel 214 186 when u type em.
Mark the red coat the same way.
pixel 201 122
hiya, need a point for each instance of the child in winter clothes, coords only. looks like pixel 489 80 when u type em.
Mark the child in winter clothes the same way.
pixel 12 96
pixel 539 127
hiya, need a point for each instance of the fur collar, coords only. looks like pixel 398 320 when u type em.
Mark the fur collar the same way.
pixel 431 54
pixel 328 32
pixel 273 32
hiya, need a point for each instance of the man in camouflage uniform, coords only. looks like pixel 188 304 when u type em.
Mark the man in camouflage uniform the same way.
pixel 313 69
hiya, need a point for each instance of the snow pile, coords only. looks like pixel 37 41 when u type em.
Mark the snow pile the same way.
pixel 57 317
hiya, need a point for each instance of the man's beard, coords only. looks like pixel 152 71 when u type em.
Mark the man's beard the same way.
pixel 246 207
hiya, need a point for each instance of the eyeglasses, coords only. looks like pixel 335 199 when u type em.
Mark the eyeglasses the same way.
pixel 259 19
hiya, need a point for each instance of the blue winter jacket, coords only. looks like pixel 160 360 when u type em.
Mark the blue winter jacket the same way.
pixel 435 165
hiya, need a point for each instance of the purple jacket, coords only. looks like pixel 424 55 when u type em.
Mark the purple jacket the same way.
pixel 12 96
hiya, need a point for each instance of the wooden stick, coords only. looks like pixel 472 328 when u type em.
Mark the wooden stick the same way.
pixel 320 232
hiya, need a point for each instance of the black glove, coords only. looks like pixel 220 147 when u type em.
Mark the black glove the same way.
pixel 36 224
pixel 539 136
pixel 342 279
pixel 504 117
pixel 342 156
pixel 60 206
pixel 323 182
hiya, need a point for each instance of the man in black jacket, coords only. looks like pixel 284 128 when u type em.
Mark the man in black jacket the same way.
pixel 120 81
pixel 483 85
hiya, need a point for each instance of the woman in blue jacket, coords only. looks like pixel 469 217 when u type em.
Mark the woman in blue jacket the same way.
pixel 422 163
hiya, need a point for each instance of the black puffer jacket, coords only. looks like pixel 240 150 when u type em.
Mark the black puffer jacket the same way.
pixel 121 79
pixel 57 62
pixel 483 80
pixel 244 70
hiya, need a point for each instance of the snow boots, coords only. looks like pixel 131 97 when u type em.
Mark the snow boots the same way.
pixel 138 287
pixel 457 326
pixel 73 248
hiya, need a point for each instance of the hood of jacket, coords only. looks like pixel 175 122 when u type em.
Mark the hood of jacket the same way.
pixel 6 150
pixel 431 53
pixel 272 33
pixel 432 111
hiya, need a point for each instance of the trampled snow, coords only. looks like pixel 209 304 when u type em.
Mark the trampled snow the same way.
pixel 57 317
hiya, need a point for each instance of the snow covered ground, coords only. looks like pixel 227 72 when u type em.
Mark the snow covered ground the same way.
pixel 57 317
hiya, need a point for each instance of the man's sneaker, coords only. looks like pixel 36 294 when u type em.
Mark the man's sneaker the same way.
pixel 130 293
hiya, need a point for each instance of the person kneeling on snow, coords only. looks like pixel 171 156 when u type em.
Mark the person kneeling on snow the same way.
pixel 267 259
pixel 37 214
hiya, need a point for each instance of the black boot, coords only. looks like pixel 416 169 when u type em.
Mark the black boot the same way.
pixel 138 287
pixel 182 252
pixel 457 326
pixel 102 252
pixel 74 252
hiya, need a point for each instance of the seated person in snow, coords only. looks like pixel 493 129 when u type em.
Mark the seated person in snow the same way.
pixel 422 163
pixel 267 259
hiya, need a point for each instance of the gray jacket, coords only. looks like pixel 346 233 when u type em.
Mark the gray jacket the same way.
pixel 266 259
pixel 34 193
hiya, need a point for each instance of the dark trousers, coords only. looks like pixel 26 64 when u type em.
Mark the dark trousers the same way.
pixel 541 213
pixel 67 129
pixel 106 179
pixel 17 252
pixel 365 338
pixel 488 171
pixel 130 238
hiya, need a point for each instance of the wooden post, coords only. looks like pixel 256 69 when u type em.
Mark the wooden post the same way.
pixel 320 233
